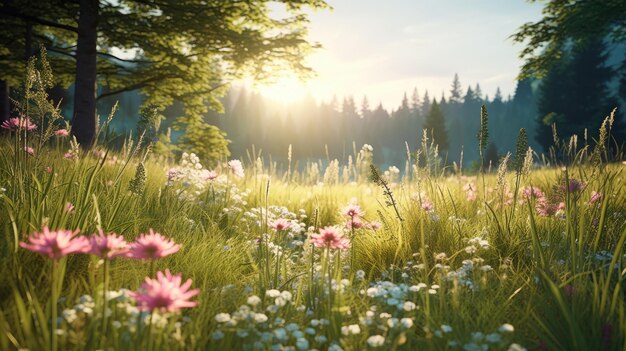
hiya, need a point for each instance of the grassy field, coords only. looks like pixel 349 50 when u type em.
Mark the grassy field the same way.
pixel 304 260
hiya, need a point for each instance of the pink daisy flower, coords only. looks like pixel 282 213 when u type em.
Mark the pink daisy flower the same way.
pixel 280 224
pixel 107 246
pixel 19 123
pixel 427 206
pixel 56 244
pixel 236 168
pixel 151 246
pixel 353 211
pixel 330 237
pixel 29 150
pixel 61 132
pixel 209 175
pixel 165 293
pixel 532 192
pixel 596 197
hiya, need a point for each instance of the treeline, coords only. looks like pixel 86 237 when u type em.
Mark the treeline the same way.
pixel 333 129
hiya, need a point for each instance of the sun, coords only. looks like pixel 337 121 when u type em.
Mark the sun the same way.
pixel 286 89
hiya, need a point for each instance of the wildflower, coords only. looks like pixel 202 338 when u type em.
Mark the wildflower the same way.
pixel 69 208
pixel 574 186
pixel 375 225
pixel 151 246
pixel 48 170
pixel 446 328
pixel 61 132
pixel 545 209
pixel 596 197
pixel 280 224
pixel 532 192
pixel 69 156
pixel 427 206
pixel 29 150
pixel 354 223
pixel 406 322
pixel 506 328
pixel 222 317
pixel 376 341
pixel 56 244
pixel 19 123
pixel 353 211
pixel 107 246
pixel 330 237
pixel 236 168
pixel 209 175
pixel 172 174
pixel 254 300
pixel 516 347
pixel 165 293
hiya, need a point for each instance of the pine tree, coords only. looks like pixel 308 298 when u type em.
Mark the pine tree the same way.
pixel 436 126
pixel 415 101
pixel 455 92
pixel 425 104
pixel 586 100
pixel 365 107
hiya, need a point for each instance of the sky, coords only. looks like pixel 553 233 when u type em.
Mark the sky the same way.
pixel 383 49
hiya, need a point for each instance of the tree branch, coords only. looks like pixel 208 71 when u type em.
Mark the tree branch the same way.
pixel 8 12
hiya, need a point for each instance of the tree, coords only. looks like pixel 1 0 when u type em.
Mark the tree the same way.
pixel 415 102
pixel 184 50
pixel 455 92
pixel 436 125
pixel 207 142
pixel 365 108
pixel 425 104
pixel 585 102
pixel 565 21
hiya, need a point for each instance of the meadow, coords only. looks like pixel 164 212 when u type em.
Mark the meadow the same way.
pixel 117 249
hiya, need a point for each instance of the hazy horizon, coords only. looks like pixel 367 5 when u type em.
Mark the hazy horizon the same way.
pixel 383 52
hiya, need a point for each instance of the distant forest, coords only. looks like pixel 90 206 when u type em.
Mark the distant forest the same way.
pixel 575 95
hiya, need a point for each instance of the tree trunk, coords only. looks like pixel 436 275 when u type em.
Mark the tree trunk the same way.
pixel 5 108
pixel 84 120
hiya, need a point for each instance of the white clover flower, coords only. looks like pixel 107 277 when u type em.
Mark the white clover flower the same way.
pixel 506 328
pixel 516 347
pixel 69 315
pixel 432 291
pixel 222 317
pixel 360 274
pixel 446 328
pixel 409 306
pixel 260 318
pixel 406 322
pixel 376 341
pixel 253 300
pixel 392 322
pixel 272 293
pixel 286 295
pixel 478 336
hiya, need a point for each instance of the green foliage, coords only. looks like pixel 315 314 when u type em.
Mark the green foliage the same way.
pixel 206 141
pixel 436 124
pixel 520 151
pixel 483 132
pixel 564 21
pixel 137 184
pixel 149 123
